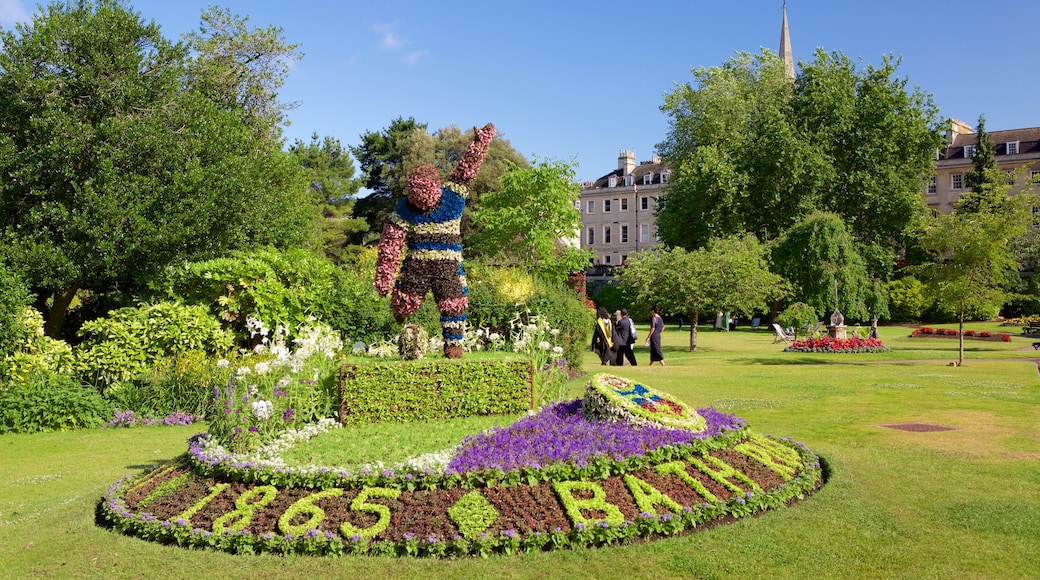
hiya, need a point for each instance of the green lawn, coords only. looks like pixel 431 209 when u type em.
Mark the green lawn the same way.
pixel 944 504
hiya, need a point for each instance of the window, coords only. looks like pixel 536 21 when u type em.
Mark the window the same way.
pixel 644 203
pixel 624 259
pixel 591 236
pixel 612 181
pixel 606 260
pixel 648 178
pixel 628 180
pixel 932 186
pixel 969 151
pixel 644 233
pixel 606 206
pixel 957 181
pixel 624 234
pixel 664 176
pixel 624 204
pixel 606 234
pixel 590 206
pixel 1012 147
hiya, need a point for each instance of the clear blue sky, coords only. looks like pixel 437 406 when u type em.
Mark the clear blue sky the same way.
pixel 581 80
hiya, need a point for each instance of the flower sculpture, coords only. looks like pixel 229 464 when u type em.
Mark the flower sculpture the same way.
pixel 427 223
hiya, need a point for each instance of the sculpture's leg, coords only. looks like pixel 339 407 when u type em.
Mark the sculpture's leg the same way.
pixel 452 302
pixel 404 305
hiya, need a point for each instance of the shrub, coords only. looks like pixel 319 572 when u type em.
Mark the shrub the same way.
pixel 14 298
pixel 130 341
pixel 798 315
pixel 50 402
pixel 906 299
pixel 181 383
pixel 34 352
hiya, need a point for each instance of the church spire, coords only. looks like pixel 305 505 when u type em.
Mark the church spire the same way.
pixel 785 46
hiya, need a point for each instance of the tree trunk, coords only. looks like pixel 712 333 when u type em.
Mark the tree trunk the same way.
pixel 693 332
pixel 960 340
pixel 59 307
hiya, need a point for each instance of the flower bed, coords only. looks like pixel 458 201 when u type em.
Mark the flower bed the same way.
pixel 925 332
pixel 551 480
pixel 843 345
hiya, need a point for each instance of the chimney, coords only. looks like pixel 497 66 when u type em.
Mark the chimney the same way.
pixel 626 162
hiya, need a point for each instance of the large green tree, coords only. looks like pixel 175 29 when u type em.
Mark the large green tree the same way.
pixel 112 167
pixel 987 184
pixel 728 274
pixel 330 175
pixel 529 220
pixel 753 151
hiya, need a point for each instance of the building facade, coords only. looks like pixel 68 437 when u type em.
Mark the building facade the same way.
pixel 1017 152
pixel 617 210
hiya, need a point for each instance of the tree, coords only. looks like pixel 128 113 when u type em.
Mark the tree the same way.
pixel 242 68
pixel 973 258
pixel 528 221
pixel 818 251
pixel 729 274
pixel 752 152
pixel 110 168
pixel 986 182
pixel 387 157
pixel 330 174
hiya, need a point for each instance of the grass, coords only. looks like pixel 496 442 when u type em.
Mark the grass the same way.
pixel 898 504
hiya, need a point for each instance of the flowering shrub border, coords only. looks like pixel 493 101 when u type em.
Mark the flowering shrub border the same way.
pixel 837 345
pixel 925 332
pixel 670 490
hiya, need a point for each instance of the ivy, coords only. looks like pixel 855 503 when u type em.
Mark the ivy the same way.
pixel 361 504
pixel 574 506
pixel 305 506
pixel 245 505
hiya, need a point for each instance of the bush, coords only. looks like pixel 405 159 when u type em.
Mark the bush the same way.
pixel 130 341
pixel 50 402
pixel 34 353
pixel 797 316
pixel 14 297
pixel 182 383
pixel 906 299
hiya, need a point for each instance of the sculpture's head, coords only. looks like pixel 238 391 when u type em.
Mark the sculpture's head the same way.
pixel 424 188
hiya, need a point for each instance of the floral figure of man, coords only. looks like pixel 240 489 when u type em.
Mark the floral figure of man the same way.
pixel 427 223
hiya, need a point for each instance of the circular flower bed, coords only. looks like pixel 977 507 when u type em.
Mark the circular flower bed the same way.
pixel 828 344
pixel 553 479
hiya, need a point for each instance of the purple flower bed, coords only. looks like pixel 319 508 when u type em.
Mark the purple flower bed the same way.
pixel 559 434
pixel 131 419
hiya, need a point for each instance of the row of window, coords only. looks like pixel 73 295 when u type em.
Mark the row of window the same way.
pixel 590 234
pixel 608 205
pixel 957 181
pixel 1010 148
pixel 629 180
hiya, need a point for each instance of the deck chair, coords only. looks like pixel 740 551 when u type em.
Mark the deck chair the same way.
pixel 781 336
pixel 755 323
pixel 817 329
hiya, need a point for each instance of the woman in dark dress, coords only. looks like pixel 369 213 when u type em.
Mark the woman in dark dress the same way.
pixel 602 333
pixel 653 340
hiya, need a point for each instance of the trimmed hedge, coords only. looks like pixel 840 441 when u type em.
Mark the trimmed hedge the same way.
pixel 423 390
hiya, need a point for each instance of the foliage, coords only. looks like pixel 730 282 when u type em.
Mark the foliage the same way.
pixel 34 353
pixel 798 315
pixel 729 274
pixel 987 184
pixel 49 401
pixel 130 341
pixel 372 391
pixel 754 152
pixel 973 258
pixel 280 288
pixel 387 157
pixel 906 299
pixel 181 382
pixel 14 298
pixel 818 251
pixel 116 167
pixel 241 68
pixel 526 220
pixel 330 173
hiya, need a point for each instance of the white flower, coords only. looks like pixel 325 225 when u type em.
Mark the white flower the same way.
pixel 544 345
pixel 223 363
pixel 262 409
pixel 259 349
pixel 262 368
pixel 251 389
pixel 557 350
pixel 494 336
pixel 555 332
pixel 243 371
pixel 283 382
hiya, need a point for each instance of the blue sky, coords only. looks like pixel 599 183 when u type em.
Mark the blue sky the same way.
pixel 581 80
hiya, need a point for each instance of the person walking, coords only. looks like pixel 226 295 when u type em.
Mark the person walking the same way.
pixel 653 340
pixel 626 337
pixel 602 337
